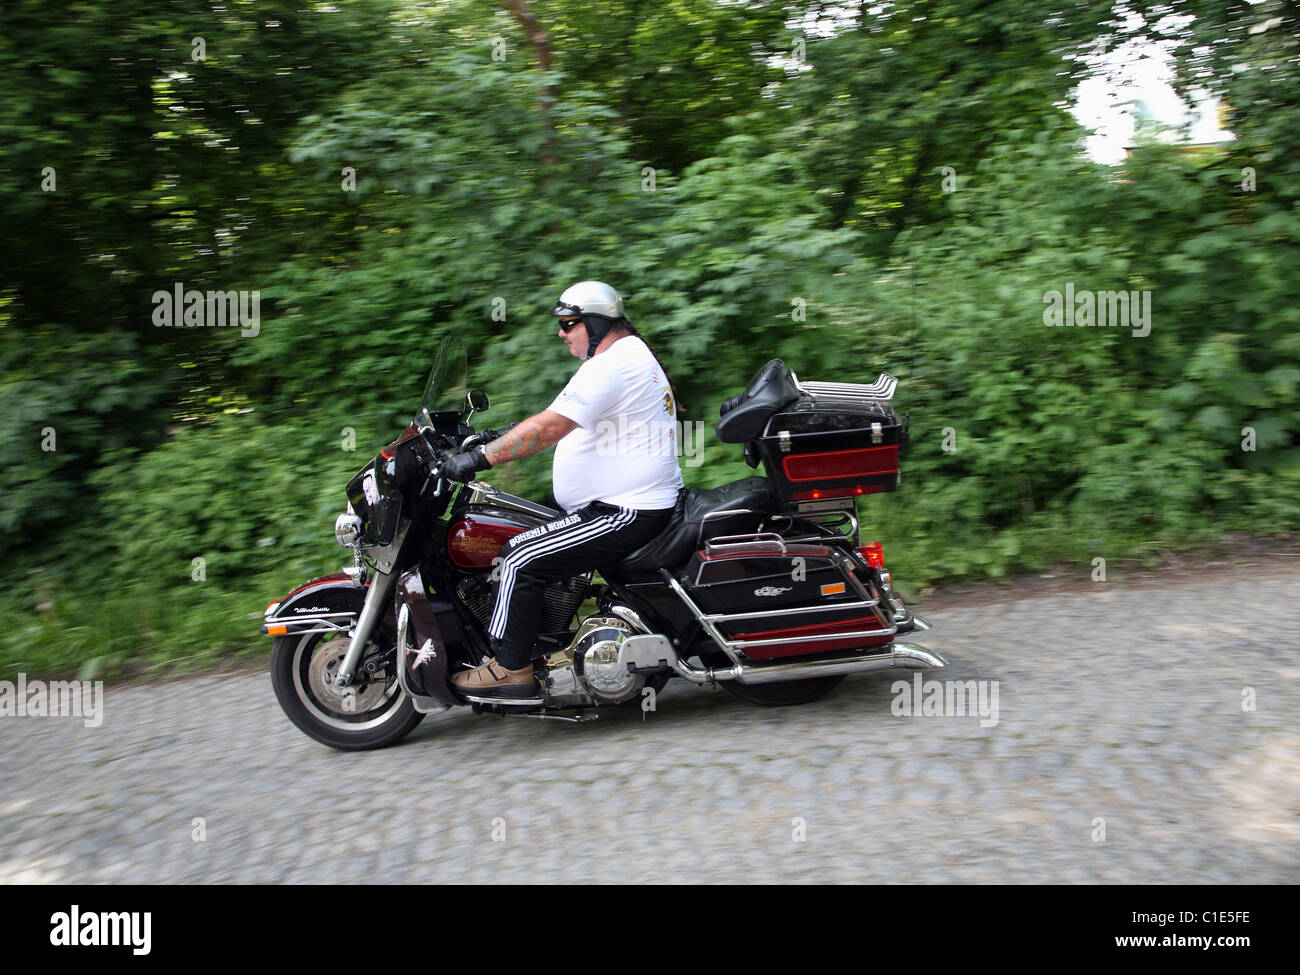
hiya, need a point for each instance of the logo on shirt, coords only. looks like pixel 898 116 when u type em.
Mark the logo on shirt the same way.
pixel 668 401
pixel 570 394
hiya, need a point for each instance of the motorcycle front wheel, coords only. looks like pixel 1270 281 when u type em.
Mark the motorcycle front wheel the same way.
pixel 373 713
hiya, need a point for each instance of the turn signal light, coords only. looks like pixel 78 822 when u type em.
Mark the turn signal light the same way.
pixel 874 553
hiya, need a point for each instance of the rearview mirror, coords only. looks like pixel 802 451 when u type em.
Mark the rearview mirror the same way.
pixel 476 401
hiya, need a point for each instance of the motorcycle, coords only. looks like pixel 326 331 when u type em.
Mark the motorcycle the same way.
pixel 761 585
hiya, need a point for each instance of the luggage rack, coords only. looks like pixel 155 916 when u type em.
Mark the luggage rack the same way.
pixel 833 514
pixel 744 543
pixel 881 391
pixel 839 516
pixel 702 544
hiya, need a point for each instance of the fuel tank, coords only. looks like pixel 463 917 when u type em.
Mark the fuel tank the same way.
pixel 478 532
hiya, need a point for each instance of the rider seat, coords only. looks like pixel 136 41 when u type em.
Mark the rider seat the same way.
pixel 751 497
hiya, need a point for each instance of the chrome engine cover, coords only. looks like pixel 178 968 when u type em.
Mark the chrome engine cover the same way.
pixel 587 671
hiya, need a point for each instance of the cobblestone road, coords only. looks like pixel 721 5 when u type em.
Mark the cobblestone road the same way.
pixel 1117 703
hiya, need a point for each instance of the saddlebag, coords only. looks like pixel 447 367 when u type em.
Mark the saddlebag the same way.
pixel 773 599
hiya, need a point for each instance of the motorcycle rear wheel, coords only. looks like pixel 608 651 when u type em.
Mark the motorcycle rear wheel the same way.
pixel 785 693
pixel 362 717
pixel 779 694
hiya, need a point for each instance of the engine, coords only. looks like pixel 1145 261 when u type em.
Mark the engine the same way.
pixel 475 540
pixel 560 602
pixel 587 671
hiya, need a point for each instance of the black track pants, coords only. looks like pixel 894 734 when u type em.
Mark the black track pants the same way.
pixel 589 538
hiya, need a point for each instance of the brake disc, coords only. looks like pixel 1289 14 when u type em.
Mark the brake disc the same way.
pixel 354 699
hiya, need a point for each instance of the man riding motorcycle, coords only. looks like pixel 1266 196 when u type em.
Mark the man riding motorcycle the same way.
pixel 615 474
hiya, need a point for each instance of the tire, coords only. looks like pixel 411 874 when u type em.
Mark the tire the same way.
pixel 786 692
pixel 301 667
pixel 777 695
pixel 656 682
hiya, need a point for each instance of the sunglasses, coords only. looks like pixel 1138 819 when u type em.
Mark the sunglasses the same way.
pixel 566 327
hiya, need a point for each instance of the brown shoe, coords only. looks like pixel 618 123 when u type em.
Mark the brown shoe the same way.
pixel 490 679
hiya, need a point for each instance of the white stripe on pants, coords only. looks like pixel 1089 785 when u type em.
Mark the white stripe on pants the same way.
pixel 567 537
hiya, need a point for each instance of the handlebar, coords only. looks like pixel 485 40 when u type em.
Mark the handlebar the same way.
pixel 490 435
pixel 441 452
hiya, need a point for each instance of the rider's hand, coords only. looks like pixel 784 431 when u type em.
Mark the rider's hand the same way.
pixel 461 466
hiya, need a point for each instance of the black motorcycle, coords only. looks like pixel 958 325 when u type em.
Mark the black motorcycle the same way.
pixel 760 585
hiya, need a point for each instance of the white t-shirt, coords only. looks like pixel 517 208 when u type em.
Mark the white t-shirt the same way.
pixel 624 451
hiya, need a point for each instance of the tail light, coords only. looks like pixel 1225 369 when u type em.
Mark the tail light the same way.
pixel 834 464
pixel 874 553
pixel 819 494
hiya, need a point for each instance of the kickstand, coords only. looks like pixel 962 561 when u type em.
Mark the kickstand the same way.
pixel 553 717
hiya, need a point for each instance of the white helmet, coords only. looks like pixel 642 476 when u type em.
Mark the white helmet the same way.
pixel 599 306
pixel 590 298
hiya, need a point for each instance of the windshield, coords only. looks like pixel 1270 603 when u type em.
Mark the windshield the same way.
pixel 445 389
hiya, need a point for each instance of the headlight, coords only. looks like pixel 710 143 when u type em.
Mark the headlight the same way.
pixel 347 529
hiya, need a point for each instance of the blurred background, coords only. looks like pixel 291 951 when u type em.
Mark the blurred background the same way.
pixel 854 187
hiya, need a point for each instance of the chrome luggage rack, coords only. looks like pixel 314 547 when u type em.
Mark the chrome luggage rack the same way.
pixel 881 391
pixel 743 544
pixel 839 516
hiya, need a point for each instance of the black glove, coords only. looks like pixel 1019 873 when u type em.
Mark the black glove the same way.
pixel 461 466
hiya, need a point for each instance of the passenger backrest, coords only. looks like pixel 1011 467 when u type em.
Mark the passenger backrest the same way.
pixel 745 416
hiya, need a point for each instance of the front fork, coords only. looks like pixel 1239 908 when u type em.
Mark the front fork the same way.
pixel 377 593
pixel 381 586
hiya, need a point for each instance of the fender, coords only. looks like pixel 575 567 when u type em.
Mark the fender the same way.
pixel 327 604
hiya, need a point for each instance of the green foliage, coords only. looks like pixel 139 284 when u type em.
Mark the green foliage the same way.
pixel 65 397
pixel 254 503
pixel 794 209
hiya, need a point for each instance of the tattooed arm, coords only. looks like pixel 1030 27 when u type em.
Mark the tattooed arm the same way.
pixel 529 437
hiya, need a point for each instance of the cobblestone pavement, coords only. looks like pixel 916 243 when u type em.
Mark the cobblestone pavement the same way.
pixel 1116 704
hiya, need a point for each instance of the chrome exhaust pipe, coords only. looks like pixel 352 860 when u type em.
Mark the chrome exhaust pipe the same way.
pixel 907 656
